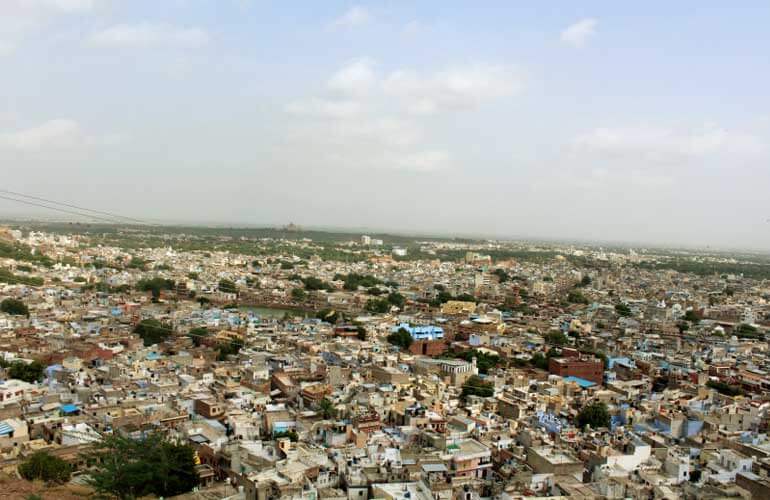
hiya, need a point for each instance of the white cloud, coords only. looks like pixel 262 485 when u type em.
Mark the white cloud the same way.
pixel 353 17
pixel 146 35
pixel 455 88
pixel 579 33
pixel 325 108
pixel 419 93
pixel 424 161
pixel 374 120
pixel 357 77
pixel 53 134
pixel 665 145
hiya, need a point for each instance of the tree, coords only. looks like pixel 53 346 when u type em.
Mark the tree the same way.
pixel 476 386
pixel 556 338
pixel 596 415
pixel 298 294
pixel 361 332
pixel 623 310
pixel 328 315
pixel 227 286
pixel 131 468
pixel 442 297
pixel 290 433
pixel 327 408
pixel 155 286
pixel 31 373
pixel 401 338
pixel 355 280
pixel 585 281
pixel 152 331
pixel 682 326
pixel 14 307
pixel 538 360
pixel 502 276
pixel 43 466
pixel 726 389
pixel 197 335
pixel 576 297
pixel 691 316
pixel 377 306
pixel 8 277
pixel 226 349
pixel 397 299
pixel 312 283
pixel 744 330
pixel 137 263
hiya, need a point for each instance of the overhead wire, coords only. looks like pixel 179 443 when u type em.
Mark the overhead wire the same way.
pixel 113 217
pixel 57 209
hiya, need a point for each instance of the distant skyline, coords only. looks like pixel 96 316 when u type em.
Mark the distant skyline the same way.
pixel 590 121
pixel 354 233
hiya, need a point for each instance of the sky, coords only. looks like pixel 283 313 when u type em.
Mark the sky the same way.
pixel 601 121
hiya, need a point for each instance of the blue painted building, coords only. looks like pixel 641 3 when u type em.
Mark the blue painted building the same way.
pixel 428 332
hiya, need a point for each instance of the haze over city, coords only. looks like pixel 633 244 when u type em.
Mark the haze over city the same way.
pixel 645 122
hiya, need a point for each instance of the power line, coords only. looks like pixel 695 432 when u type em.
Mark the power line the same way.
pixel 69 205
pixel 71 212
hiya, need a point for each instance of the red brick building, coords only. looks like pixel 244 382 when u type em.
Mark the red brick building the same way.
pixel 588 368
pixel 208 408
pixel 428 347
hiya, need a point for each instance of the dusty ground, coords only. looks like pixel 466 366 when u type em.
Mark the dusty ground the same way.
pixel 14 488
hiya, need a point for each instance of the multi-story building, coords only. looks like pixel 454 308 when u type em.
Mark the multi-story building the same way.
pixel 587 368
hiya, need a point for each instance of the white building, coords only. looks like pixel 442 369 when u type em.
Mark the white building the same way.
pixel 13 391
pixel 726 466
pixel 80 433
pixel 677 467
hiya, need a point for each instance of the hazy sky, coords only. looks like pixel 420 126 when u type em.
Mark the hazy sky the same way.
pixel 643 121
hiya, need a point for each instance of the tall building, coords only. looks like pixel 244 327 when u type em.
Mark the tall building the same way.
pixel 399 251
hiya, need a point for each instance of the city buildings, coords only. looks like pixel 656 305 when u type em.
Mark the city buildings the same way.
pixel 572 372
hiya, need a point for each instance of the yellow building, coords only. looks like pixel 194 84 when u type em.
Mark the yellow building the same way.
pixel 458 307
